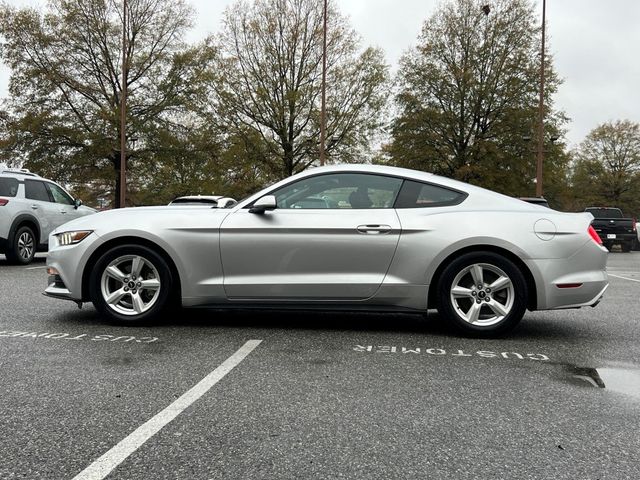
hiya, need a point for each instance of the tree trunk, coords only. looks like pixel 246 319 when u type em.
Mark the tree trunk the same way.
pixel 115 160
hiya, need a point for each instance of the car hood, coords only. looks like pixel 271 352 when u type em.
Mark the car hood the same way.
pixel 147 219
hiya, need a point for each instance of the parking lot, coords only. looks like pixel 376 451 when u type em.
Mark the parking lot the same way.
pixel 335 395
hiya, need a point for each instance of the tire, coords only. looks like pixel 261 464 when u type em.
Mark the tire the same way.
pixel 129 299
pixel 476 311
pixel 626 246
pixel 23 246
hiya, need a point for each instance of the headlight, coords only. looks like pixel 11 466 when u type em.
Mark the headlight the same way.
pixel 71 238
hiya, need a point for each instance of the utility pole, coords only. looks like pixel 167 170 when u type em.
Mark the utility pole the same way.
pixel 123 110
pixel 541 110
pixel 323 108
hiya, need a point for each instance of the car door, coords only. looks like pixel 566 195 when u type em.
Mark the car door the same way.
pixel 64 203
pixel 38 199
pixel 331 237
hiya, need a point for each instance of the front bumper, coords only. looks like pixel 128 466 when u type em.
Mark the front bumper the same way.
pixel 58 292
pixel 69 261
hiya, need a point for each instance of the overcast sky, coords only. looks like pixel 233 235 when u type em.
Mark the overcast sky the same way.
pixel 594 43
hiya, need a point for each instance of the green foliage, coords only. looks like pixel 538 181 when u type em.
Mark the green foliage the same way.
pixel 468 98
pixel 606 171
pixel 63 117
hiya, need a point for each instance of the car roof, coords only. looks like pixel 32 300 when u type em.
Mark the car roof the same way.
pixel 18 173
pixel 483 197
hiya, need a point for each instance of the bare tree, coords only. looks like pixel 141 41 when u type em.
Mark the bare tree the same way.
pixel 269 87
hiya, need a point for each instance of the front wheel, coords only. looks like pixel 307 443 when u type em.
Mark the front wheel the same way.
pixel 482 294
pixel 130 284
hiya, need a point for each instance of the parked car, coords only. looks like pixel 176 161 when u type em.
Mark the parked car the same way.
pixel 536 201
pixel 31 207
pixel 398 240
pixel 213 201
pixel 613 227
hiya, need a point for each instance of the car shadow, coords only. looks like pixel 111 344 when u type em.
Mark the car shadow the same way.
pixel 312 320
pixel 38 260
pixel 301 320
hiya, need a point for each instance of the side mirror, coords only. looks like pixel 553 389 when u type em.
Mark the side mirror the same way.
pixel 268 202
pixel 76 203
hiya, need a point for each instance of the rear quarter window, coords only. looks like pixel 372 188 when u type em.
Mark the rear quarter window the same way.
pixel 8 187
pixel 422 195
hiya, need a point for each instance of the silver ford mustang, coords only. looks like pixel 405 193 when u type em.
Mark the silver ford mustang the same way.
pixel 340 237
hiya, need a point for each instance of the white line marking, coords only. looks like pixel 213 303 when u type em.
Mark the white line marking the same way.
pixel 34 268
pixel 624 278
pixel 114 457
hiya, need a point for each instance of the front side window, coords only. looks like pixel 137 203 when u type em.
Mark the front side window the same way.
pixel 59 195
pixel 420 195
pixel 36 190
pixel 340 191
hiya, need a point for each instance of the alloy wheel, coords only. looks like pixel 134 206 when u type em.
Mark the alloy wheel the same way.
pixel 26 246
pixel 130 285
pixel 482 294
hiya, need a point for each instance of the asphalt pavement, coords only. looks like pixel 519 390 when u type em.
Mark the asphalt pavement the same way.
pixel 333 395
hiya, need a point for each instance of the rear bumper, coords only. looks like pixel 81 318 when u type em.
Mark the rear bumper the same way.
pixel 620 237
pixel 590 303
pixel 574 282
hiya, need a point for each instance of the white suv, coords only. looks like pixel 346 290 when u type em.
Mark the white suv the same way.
pixel 30 208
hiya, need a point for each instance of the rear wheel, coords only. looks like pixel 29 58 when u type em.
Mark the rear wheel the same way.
pixel 23 246
pixel 130 284
pixel 626 246
pixel 482 294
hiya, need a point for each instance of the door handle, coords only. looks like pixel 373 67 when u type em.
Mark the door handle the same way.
pixel 373 229
pixel 35 207
pixel 63 211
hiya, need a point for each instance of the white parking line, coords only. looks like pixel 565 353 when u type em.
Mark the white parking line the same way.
pixel 114 457
pixel 624 278
pixel 34 268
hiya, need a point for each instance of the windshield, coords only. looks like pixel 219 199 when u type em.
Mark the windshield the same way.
pixel 605 212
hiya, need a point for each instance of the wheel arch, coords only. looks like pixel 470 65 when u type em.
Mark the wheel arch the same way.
pixel 25 220
pixel 176 293
pixel 532 298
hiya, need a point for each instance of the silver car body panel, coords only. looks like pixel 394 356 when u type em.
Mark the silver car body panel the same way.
pixel 324 257
pixel 289 254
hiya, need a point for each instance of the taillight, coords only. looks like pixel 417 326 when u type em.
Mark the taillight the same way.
pixel 634 224
pixel 4 201
pixel 594 235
